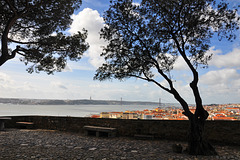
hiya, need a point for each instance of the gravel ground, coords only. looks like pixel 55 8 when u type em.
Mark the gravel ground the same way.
pixel 46 144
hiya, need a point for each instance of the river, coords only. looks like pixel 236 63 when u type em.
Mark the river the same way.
pixel 65 110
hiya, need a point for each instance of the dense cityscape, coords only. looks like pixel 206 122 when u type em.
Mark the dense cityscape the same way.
pixel 229 112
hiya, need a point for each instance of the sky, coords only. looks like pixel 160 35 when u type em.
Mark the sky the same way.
pixel 219 83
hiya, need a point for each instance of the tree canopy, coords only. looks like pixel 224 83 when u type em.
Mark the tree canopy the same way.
pixel 144 41
pixel 34 29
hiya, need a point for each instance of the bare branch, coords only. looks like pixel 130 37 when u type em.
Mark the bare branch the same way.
pixel 151 80
pixel 15 41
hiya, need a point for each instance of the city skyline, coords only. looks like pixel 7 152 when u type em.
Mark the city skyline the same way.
pixel 219 83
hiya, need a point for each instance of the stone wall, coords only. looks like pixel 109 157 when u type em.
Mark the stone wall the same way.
pixel 221 132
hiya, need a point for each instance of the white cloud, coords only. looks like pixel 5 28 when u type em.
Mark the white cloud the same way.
pixel 93 22
pixel 213 51
pixel 180 64
pixel 5 79
pixel 145 84
pixel 136 87
pixel 80 65
pixel 58 85
pixel 12 86
pixel 67 69
pixel 230 59
pixel 224 76
pixel 95 86
pixel 136 3
pixel 220 86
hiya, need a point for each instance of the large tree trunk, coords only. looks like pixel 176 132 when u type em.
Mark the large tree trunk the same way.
pixel 197 144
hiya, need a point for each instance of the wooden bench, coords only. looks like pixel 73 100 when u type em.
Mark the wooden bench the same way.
pixel 100 131
pixel 2 122
pixel 25 125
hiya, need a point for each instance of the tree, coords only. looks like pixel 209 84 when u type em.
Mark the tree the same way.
pixel 34 28
pixel 145 40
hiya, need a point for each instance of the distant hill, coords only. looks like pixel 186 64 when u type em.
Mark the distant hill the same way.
pixel 71 102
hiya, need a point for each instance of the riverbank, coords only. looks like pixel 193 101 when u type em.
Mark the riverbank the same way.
pixel 50 144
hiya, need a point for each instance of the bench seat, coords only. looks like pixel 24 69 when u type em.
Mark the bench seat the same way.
pixel 25 125
pixel 100 131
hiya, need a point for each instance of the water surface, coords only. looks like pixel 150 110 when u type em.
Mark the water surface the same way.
pixel 65 110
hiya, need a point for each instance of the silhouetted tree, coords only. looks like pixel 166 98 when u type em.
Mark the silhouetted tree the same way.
pixel 33 29
pixel 145 40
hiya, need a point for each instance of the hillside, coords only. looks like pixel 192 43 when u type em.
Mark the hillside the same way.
pixel 71 102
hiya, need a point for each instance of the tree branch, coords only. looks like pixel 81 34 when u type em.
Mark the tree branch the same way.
pixel 155 63
pixel 5 55
pixel 199 108
pixel 173 91
pixel 13 8
pixel 151 80
pixel 15 41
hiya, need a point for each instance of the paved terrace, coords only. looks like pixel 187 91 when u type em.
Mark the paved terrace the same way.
pixel 49 144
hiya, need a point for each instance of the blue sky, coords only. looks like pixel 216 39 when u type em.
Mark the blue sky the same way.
pixel 220 83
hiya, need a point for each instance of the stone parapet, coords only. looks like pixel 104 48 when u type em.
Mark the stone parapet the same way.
pixel 220 132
